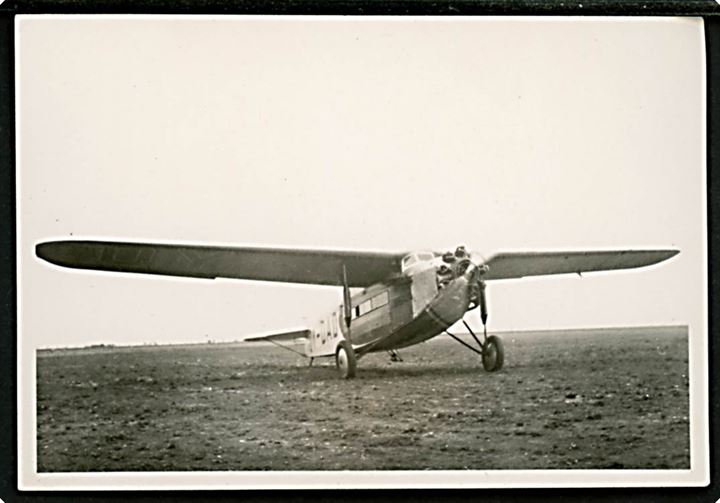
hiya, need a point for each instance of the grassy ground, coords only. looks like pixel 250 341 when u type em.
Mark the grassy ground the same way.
pixel 615 398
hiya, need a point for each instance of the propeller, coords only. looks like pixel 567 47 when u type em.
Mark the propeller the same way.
pixel 459 263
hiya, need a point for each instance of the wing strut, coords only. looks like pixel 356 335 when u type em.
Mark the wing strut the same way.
pixel 483 309
pixel 347 306
pixel 345 357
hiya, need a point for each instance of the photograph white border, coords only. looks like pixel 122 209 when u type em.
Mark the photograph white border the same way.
pixel 30 480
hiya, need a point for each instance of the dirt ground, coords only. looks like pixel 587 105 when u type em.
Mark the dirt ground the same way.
pixel 613 398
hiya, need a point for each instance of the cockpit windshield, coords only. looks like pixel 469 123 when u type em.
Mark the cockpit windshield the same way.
pixel 417 260
pixel 409 260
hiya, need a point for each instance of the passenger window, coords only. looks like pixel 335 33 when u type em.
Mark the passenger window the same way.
pixel 380 300
pixel 365 307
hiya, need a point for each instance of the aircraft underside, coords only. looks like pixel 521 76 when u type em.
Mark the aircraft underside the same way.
pixel 426 326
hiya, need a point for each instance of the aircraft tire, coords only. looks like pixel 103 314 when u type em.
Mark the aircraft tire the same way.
pixel 493 355
pixel 345 360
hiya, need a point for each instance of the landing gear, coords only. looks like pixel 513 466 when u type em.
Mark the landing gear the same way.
pixel 395 356
pixel 493 355
pixel 345 360
pixel 491 348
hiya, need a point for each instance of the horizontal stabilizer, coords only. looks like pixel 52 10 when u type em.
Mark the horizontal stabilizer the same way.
pixel 289 265
pixel 521 264
pixel 284 336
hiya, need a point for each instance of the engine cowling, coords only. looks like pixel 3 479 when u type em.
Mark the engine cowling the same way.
pixel 455 264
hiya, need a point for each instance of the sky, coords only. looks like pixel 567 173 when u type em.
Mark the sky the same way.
pixel 395 134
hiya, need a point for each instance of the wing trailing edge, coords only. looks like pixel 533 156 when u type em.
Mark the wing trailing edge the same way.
pixel 523 264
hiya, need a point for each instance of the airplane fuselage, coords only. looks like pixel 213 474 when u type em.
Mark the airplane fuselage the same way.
pixel 422 303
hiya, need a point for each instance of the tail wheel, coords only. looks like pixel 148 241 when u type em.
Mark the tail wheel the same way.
pixel 493 355
pixel 345 360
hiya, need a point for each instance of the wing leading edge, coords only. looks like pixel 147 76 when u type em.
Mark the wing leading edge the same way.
pixel 522 264
pixel 319 267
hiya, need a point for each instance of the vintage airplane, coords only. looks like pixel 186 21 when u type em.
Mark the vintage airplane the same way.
pixel 406 298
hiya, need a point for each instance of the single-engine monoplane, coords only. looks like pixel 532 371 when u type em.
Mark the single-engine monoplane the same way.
pixel 399 299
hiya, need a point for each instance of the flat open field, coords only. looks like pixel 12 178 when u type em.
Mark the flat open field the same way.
pixel 611 398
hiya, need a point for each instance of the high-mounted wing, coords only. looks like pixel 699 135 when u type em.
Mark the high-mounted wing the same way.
pixel 518 265
pixel 319 267
pixel 284 336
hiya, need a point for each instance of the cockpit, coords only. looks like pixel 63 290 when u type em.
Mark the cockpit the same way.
pixel 416 261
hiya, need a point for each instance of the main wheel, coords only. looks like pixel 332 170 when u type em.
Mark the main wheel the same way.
pixel 493 354
pixel 345 360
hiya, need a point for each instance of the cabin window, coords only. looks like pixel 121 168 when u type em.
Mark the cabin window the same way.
pixel 380 300
pixel 365 307
pixel 425 256
pixel 376 302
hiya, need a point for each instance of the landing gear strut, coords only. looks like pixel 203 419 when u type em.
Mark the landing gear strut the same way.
pixel 395 356
pixel 491 349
